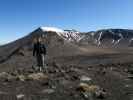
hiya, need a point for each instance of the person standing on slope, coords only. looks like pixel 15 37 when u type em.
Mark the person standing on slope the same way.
pixel 39 51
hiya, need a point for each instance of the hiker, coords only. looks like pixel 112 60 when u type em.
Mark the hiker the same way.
pixel 39 51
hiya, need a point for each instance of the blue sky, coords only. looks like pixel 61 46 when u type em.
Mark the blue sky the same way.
pixel 20 17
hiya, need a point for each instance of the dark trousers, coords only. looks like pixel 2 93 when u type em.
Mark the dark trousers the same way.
pixel 40 60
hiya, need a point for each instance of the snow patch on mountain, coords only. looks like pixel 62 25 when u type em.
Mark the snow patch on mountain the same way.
pixel 52 29
pixel 72 35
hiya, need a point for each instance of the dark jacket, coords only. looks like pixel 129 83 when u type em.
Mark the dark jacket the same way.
pixel 39 48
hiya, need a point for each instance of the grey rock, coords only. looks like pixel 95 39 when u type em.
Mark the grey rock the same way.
pixel 48 91
pixel 85 78
pixel 20 96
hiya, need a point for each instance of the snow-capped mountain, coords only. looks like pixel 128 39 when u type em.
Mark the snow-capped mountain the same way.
pixel 70 35
pixel 105 37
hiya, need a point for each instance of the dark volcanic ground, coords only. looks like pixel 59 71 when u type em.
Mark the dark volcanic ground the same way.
pixel 113 73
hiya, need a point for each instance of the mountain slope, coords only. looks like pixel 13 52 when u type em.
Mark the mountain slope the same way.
pixel 19 52
pixel 111 37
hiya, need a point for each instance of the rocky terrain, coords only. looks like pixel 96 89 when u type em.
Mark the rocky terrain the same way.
pixel 88 66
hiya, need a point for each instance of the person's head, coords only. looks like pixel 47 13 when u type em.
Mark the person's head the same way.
pixel 35 40
pixel 40 39
pixel 43 38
